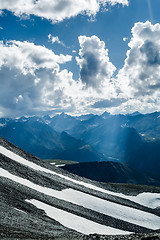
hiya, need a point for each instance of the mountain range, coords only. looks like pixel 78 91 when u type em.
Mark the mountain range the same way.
pixel 41 201
pixel 38 138
pixel 132 139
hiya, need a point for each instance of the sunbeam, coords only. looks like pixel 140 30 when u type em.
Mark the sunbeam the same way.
pixel 150 11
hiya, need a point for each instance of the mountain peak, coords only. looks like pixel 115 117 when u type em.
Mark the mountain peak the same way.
pixel 63 114
pixel 105 115
pixel 134 113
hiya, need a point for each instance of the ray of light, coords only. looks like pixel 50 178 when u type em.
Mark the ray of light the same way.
pixel 150 11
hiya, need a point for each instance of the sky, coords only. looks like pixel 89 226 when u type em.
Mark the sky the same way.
pixel 79 57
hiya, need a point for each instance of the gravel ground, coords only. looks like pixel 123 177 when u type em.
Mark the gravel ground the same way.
pixel 21 220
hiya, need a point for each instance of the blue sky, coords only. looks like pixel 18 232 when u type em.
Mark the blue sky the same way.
pixel 91 81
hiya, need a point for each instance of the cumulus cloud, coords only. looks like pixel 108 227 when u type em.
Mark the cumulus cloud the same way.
pixel 32 81
pixel 140 77
pixel 96 69
pixel 56 10
pixel 114 2
pixel 31 78
pixel 28 57
pixel 140 74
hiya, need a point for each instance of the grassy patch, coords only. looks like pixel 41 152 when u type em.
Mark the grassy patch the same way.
pixel 59 162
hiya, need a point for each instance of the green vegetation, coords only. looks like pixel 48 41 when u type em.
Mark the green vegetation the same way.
pixel 57 162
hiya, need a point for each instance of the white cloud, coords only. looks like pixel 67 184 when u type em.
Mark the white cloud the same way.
pixel 1 28
pixel 55 40
pixel 140 77
pixel 140 73
pixel 125 39
pixel 30 76
pixel 56 10
pixel 28 57
pixel 96 69
pixel 32 81
pixel 114 2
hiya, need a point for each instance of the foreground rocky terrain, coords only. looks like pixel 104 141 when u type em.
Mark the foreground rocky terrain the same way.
pixel 41 201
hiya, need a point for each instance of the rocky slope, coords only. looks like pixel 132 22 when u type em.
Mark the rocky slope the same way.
pixel 41 201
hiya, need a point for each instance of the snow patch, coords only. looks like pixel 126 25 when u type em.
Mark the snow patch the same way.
pixel 115 210
pixel 75 222
pixel 2 124
pixel 19 210
pixel 140 198
pixel 61 165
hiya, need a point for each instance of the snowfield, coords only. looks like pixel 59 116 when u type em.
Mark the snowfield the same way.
pixel 115 210
pixel 75 222
pixel 151 200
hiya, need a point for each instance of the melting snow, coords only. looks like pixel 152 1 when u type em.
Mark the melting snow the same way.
pixel 61 165
pixel 2 124
pixel 20 210
pixel 152 202
pixel 75 222
pixel 118 211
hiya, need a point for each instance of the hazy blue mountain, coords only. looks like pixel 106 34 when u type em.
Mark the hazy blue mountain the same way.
pixel 112 140
pixel 83 126
pixel 94 121
pixel 148 125
pixel 133 138
pixel 134 114
pixel 105 115
pixel 39 139
pixel 146 157
pixel 33 136
pixel 97 121
pixel 5 121
pixel 84 117
pixel 47 119
pixel 111 172
pixel 85 153
pixel 63 122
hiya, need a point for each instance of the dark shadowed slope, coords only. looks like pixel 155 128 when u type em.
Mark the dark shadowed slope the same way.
pixel 112 172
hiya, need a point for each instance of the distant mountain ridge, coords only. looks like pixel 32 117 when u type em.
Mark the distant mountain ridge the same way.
pixel 133 138
pixel 38 138
pixel 62 122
